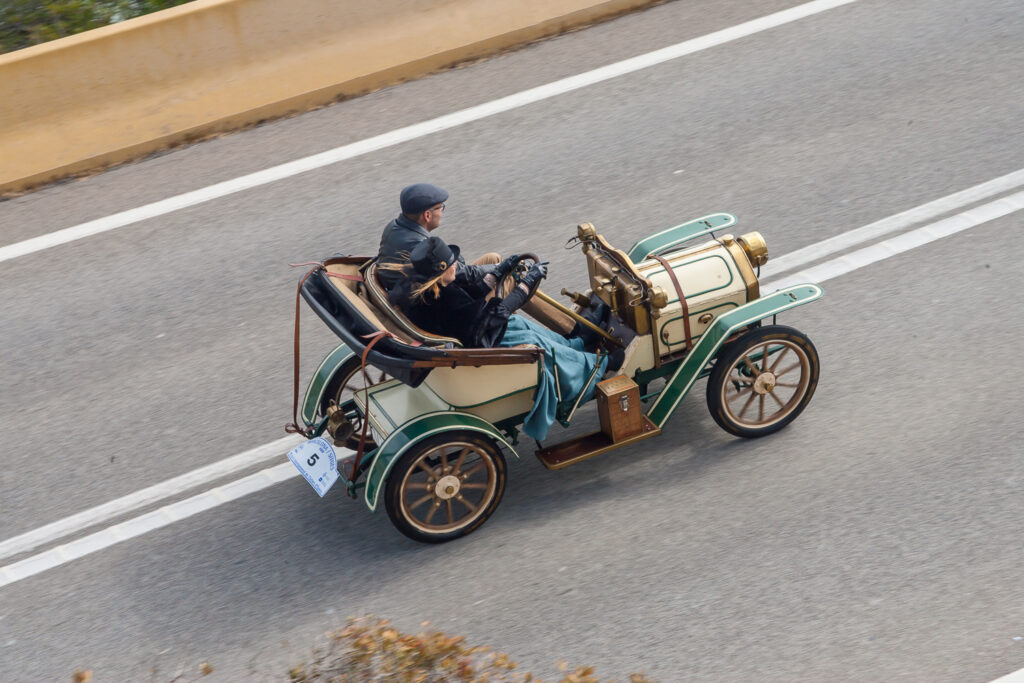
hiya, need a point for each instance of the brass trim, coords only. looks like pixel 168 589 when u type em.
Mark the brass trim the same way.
pixel 757 249
pixel 746 270
pixel 577 317
pixel 584 447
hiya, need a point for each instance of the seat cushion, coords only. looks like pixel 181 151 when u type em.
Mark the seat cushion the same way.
pixel 376 294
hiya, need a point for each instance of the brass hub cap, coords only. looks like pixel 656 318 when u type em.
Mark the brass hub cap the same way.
pixel 764 383
pixel 447 487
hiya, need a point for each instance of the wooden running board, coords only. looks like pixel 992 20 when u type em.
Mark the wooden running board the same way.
pixel 587 446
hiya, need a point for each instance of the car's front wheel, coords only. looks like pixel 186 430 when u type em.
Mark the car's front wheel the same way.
pixel 762 381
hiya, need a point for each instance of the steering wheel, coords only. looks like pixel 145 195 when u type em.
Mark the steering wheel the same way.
pixel 522 266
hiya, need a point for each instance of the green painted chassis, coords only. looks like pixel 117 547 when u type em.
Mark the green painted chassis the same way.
pixel 680 372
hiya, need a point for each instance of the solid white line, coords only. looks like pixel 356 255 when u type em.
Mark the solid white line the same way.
pixel 148 496
pixel 900 221
pixel 266 478
pixel 901 243
pixel 145 523
pixel 418 130
pixel 1015 677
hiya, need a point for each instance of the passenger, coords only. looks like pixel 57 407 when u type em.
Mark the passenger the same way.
pixel 422 209
pixel 433 298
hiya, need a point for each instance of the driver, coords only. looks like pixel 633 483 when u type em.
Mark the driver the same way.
pixel 434 298
pixel 422 209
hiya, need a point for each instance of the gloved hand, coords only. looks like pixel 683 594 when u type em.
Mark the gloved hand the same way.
pixel 502 270
pixel 537 272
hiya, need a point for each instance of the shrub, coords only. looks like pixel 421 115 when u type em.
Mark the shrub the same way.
pixel 24 23
pixel 372 650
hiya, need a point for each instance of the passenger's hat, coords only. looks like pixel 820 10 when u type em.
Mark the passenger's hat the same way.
pixel 418 198
pixel 432 256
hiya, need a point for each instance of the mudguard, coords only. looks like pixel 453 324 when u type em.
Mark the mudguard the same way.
pixel 676 235
pixel 722 328
pixel 321 378
pixel 414 431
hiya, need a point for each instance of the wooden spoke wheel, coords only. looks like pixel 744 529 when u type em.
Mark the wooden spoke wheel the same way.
pixel 342 388
pixel 445 486
pixel 762 381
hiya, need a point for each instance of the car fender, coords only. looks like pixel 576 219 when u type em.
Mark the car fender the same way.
pixel 677 234
pixel 711 341
pixel 321 379
pixel 414 431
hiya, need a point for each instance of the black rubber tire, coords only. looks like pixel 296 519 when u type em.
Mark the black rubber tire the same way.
pixel 732 375
pixel 339 390
pixel 409 488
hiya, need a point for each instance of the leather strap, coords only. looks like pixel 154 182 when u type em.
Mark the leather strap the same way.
pixel 682 299
pixel 293 426
pixel 374 338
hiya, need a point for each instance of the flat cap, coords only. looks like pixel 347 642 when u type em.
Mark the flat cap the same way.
pixel 420 197
pixel 432 256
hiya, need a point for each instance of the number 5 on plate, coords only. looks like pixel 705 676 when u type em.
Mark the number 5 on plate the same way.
pixel 316 460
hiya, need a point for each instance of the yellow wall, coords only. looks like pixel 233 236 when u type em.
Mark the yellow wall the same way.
pixel 118 92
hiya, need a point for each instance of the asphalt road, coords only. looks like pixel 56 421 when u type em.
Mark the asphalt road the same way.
pixel 876 538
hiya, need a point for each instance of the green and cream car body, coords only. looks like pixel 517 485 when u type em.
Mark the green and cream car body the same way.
pixel 429 420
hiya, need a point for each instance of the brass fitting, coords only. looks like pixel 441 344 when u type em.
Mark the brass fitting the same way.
pixel 580 300
pixel 755 248
pixel 339 426
pixel 659 297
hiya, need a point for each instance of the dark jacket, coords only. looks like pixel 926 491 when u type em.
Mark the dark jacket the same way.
pixel 461 310
pixel 401 235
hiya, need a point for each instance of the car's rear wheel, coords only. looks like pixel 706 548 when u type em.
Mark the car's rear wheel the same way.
pixel 342 388
pixel 762 381
pixel 445 486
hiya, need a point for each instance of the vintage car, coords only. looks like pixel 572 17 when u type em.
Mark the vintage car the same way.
pixel 429 420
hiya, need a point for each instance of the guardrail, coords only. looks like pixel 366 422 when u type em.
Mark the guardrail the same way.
pixel 119 92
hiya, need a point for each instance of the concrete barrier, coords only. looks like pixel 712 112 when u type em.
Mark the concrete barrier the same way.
pixel 122 91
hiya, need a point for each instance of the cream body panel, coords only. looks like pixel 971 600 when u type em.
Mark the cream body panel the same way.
pixel 392 404
pixel 639 356
pixel 504 408
pixel 711 282
pixel 494 392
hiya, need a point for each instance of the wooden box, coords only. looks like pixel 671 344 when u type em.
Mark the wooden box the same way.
pixel 618 405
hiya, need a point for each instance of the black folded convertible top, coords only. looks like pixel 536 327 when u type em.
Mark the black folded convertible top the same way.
pixel 407 363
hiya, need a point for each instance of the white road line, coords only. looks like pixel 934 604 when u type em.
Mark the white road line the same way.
pixel 256 482
pixel 148 496
pixel 145 523
pixel 418 130
pixel 901 243
pixel 900 221
pixel 1015 677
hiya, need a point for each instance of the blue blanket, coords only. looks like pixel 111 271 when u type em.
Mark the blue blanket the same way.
pixel 563 356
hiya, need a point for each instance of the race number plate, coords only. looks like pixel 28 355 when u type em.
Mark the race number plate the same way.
pixel 316 460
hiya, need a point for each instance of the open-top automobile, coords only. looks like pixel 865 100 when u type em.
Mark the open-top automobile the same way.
pixel 429 420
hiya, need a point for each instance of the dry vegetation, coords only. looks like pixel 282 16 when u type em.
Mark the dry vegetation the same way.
pixel 370 649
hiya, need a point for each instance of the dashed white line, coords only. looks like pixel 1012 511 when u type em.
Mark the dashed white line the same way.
pixel 395 137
